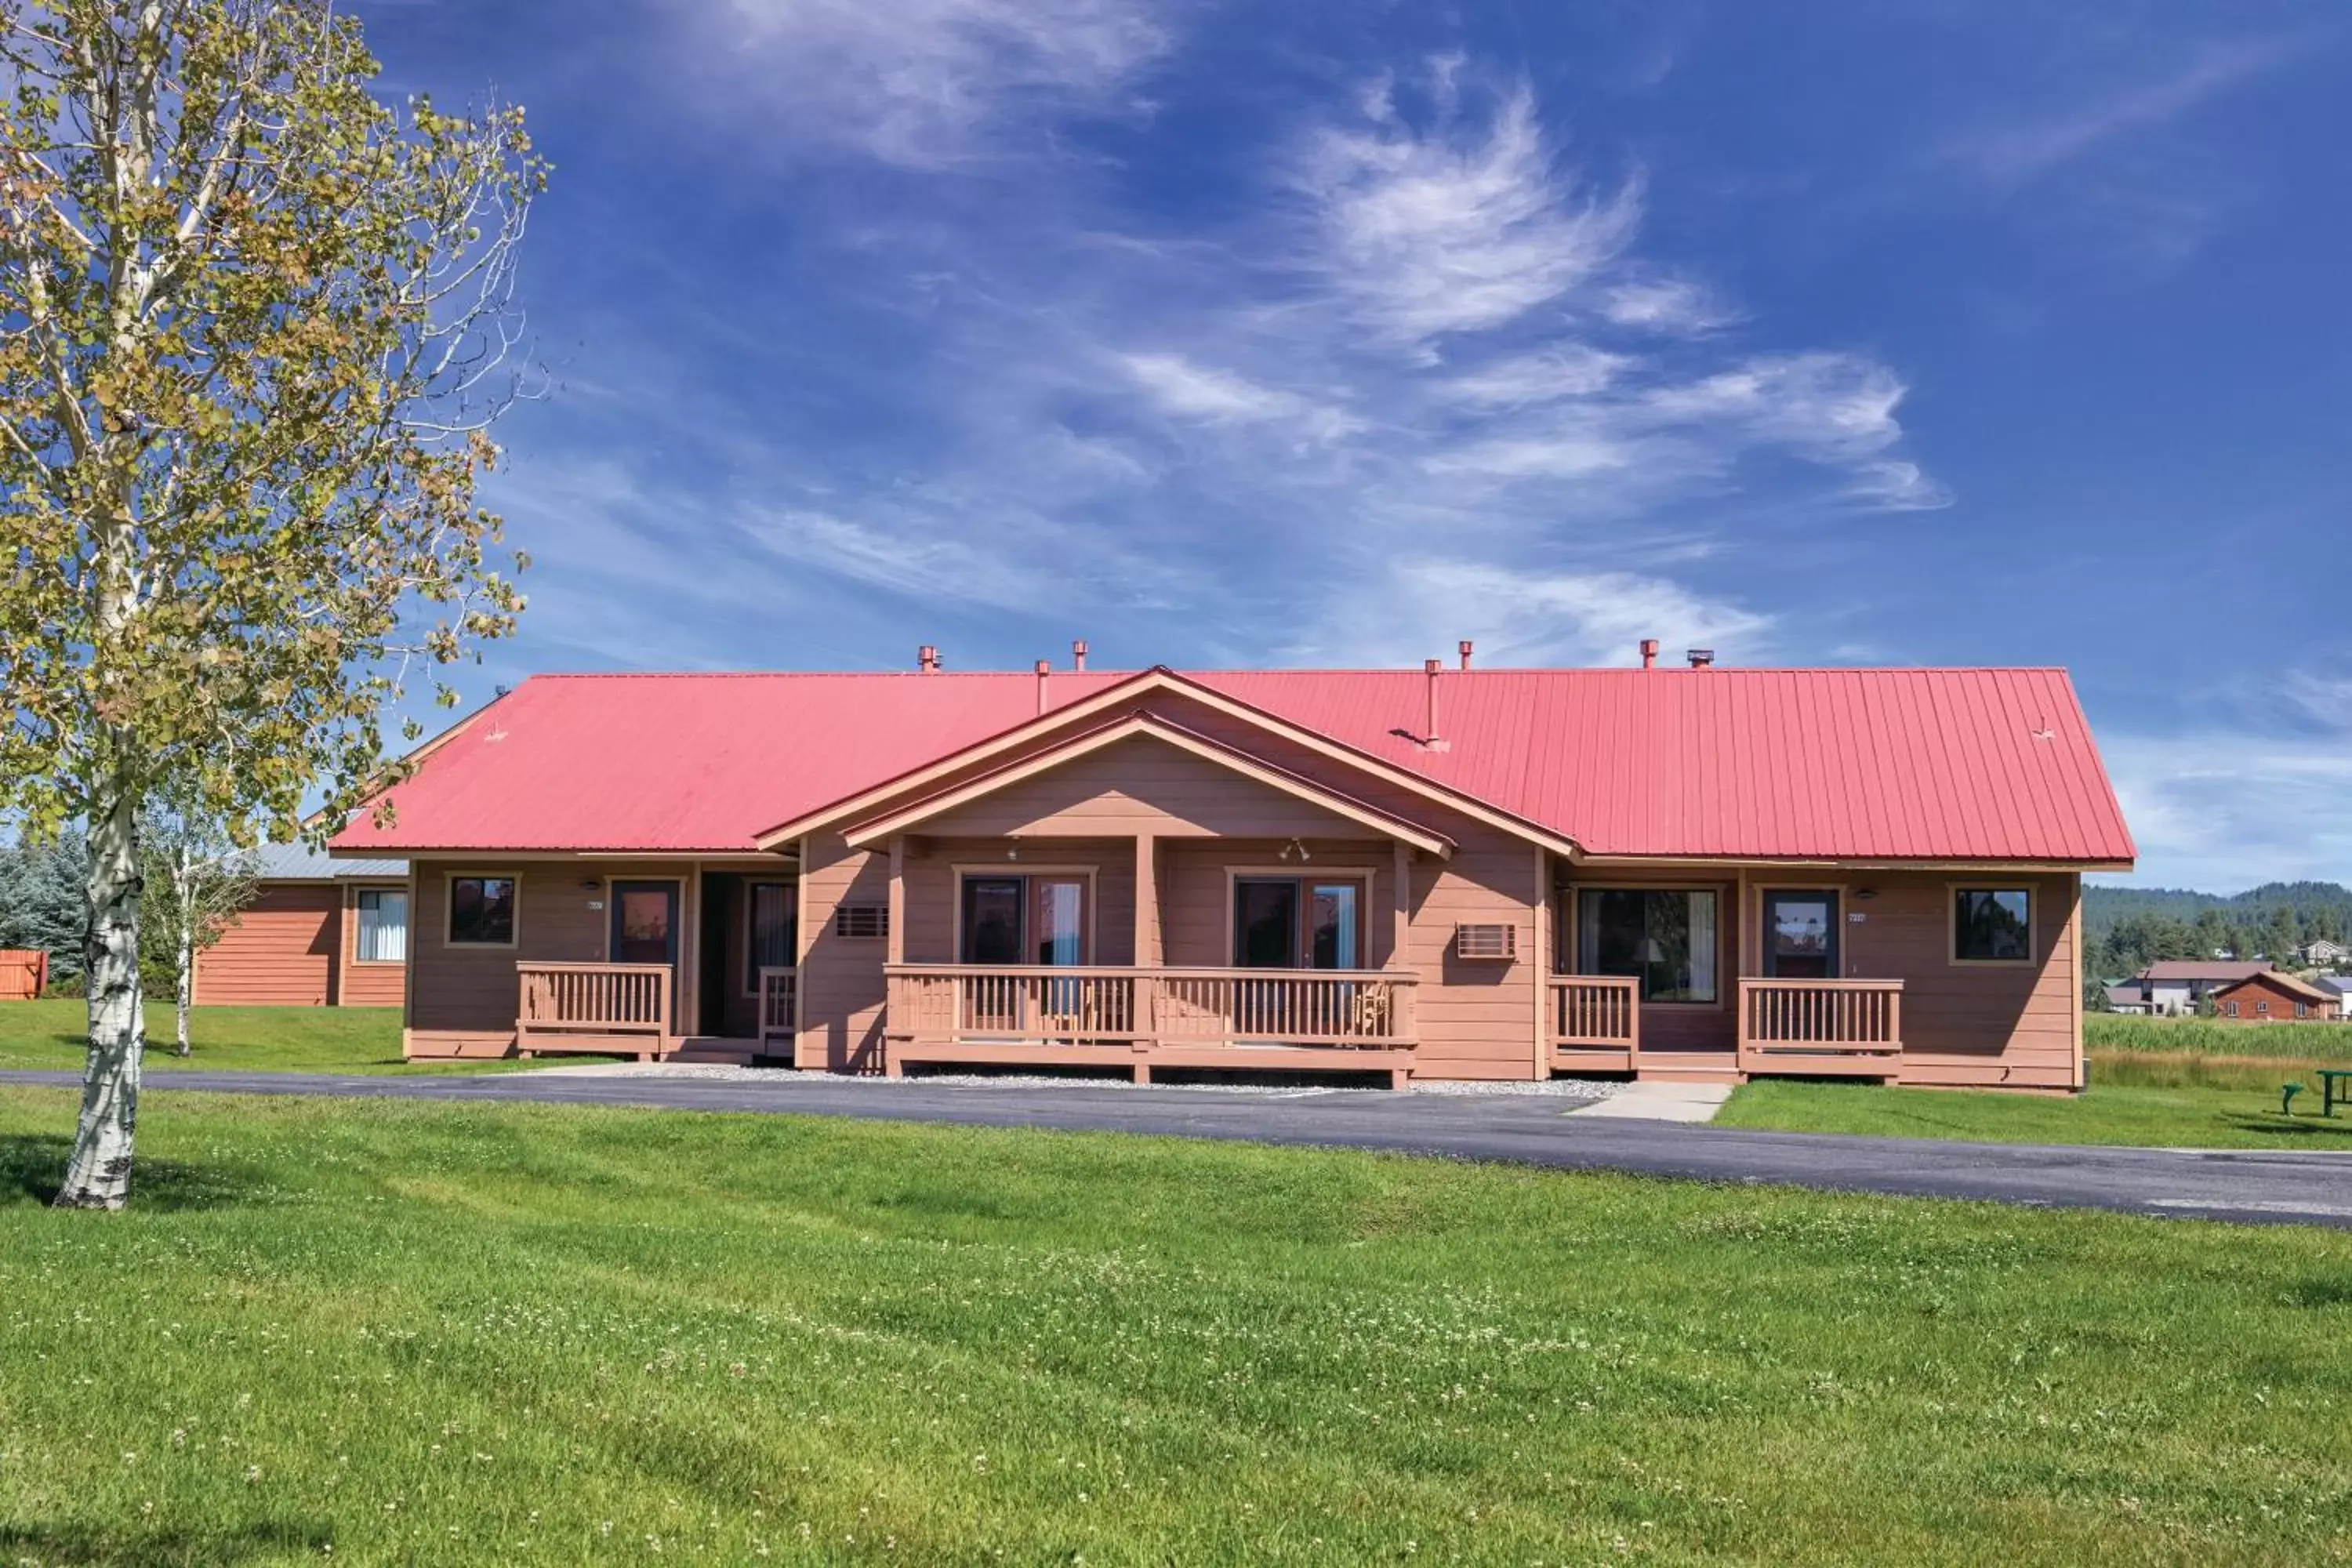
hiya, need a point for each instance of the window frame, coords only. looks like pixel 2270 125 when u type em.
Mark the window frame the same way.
pixel 407 922
pixel 1011 869
pixel 1571 929
pixel 751 930
pixel 1306 881
pixel 449 880
pixel 2033 891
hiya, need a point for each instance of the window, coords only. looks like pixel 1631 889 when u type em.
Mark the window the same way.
pixel 2302 1009
pixel 1665 938
pixel 2262 1006
pixel 1025 919
pixel 383 936
pixel 482 911
pixel 2234 1009
pixel 1298 922
pixel 1992 925
pixel 863 922
pixel 771 929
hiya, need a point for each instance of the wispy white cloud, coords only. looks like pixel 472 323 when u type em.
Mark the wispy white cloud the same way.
pixel 1458 226
pixel 1422 382
pixel 932 81
pixel 1523 617
pixel 1664 305
pixel 2019 150
pixel 1197 391
pixel 2223 810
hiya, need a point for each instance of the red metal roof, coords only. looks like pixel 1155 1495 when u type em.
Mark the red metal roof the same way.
pixel 1856 764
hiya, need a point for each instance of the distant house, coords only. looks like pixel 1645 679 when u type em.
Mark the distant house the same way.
pixel 2273 997
pixel 2323 952
pixel 2340 987
pixel 2123 998
pixel 2177 985
pixel 323 933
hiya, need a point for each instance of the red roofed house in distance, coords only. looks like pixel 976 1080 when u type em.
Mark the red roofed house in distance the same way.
pixel 1451 872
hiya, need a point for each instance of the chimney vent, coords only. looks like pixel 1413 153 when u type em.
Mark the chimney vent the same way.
pixel 1701 658
pixel 1649 652
pixel 927 658
pixel 1045 669
pixel 1078 654
pixel 1465 646
pixel 1431 740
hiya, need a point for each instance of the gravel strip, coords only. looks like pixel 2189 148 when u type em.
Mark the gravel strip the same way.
pixel 1571 1088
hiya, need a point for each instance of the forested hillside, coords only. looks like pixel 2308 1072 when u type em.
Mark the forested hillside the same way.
pixel 2126 928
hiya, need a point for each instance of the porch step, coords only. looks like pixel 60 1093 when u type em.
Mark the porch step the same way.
pixel 719 1051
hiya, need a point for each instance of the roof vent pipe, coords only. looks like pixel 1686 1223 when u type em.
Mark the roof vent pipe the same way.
pixel 1078 654
pixel 1431 739
pixel 1464 647
pixel 1701 658
pixel 927 658
pixel 1045 669
pixel 1649 652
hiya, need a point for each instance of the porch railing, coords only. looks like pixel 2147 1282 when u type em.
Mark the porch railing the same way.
pixel 567 1005
pixel 780 994
pixel 1596 1018
pixel 1821 1026
pixel 1058 1004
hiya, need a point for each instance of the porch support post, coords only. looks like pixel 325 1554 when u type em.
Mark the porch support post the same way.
pixel 898 948
pixel 1540 962
pixel 1147 900
pixel 1400 916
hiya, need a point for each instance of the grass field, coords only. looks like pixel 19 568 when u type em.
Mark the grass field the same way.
pixel 49 1033
pixel 2172 1082
pixel 2211 1037
pixel 424 1333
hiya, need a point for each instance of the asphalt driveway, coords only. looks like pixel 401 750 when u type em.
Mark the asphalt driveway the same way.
pixel 2232 1184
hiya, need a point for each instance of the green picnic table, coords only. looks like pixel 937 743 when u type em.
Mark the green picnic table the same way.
pixel 2334 1089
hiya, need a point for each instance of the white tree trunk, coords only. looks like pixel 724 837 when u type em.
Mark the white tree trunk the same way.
pixel 184 960
pixel 99 1173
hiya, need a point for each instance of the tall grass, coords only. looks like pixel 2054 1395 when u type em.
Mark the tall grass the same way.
pixel 2109 1032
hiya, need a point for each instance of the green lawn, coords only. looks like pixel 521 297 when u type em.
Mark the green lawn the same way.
pixel 2158 1095
pixel 425 1334
pixel 49 1033
pixel 2156 1116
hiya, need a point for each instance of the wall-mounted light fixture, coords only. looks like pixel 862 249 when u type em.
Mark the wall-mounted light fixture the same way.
pixel 1863 895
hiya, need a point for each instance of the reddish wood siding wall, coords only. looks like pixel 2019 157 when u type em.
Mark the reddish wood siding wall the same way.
pixel 1972 1023
pixel 367 984
pixel 283 949
pixel 841 977
pixel 2253 992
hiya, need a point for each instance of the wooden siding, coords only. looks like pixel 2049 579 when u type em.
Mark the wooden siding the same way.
pixel 466 995
pixel 2257 989
pixel 367 984
pixel 1147 786
pixel 932 892
pixel 283 949
pixel 841 977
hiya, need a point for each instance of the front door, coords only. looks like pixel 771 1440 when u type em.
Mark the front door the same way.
pixel 644 922
pixel 1800 934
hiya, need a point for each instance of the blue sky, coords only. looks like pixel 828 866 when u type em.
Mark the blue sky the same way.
pixel 1906 331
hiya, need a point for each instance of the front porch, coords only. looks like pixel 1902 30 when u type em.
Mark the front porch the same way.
pixel 625 1009
pixel 1136 1019
pixel 1843 1028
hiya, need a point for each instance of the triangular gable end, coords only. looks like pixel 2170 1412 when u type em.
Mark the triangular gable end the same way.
pixel 946 770
pixel 1029 771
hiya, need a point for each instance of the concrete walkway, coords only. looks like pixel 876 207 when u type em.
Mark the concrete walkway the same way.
pixel 1653 1100
pixel 1537 1130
